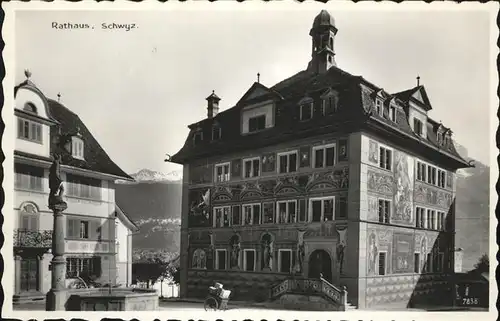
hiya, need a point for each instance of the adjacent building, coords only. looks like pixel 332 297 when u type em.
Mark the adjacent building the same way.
pixel 323 176
pixel 98 234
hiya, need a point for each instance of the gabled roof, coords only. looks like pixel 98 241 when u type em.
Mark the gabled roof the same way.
pixel 125 219
pixel 258 92
pixel 417 95
pixel 68 124
pixel 96 159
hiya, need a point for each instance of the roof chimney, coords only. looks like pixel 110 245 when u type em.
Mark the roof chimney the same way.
pixel 213 105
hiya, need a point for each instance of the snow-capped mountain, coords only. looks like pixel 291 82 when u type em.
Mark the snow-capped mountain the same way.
pixel 149 176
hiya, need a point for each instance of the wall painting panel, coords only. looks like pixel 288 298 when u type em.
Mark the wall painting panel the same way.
pixel 268 163
pixel 201 174
pixel 305 156
pixel 343 150
pixel 380 182
pixel 373 152
pixel 403 198
pixel 236 168
pixel 402 253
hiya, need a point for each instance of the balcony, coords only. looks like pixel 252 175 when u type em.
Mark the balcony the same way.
pixel 38 239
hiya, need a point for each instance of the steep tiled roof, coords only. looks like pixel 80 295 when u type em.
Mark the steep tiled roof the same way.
pixel 355 106
pixel 96 158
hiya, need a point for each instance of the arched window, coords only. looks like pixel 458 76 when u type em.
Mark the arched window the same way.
pixel 29 218
pixel 30 107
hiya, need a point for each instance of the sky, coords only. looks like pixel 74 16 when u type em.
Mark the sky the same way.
pixel 138 90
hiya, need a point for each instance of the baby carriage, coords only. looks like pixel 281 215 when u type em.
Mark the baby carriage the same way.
pixel 217 298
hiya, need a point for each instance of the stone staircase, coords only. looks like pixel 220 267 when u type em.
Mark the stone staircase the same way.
pixel 309 294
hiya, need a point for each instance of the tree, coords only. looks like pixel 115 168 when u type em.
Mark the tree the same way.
pixel 152 269
pixel 483 264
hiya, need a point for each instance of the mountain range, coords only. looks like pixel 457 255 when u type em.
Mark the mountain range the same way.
pixel 153 202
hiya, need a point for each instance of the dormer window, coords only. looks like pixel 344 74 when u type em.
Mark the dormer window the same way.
pixel 418 127
pixel 77 147
pixel 329 102
pixel 392 113
pixel 379 106
pixel 216 132
pixel 198 137
pixel 306 111
pixel 30 107
pixel 29 130
pixel 256 123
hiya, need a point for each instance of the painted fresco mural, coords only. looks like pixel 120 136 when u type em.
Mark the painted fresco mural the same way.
pixel 403 253
pixel 199 207
pixel 373 152
pixel 305 156
pixel 380 182
pixel 403 181
pixel 201 174
pixel 343 151
pixel 268 163
pixel 426 194
pixel 236 168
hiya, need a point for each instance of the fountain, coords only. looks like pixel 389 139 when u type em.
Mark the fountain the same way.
pixel 60 297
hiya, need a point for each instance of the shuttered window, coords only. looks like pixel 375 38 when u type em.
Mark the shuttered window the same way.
pixel 84 229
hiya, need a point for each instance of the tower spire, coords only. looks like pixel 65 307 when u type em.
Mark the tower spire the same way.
pixel 323 34
pixel 418 80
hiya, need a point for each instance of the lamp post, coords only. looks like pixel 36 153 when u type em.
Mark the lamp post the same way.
pixel 57 296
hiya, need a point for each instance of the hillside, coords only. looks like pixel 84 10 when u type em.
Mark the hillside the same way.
pixel 472 213
pixel 153 202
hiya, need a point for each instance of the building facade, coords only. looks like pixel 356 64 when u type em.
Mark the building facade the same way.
pixel 98 242
pixel 323 176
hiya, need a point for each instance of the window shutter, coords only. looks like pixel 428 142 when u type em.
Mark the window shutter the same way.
pixel 20 127
pixel 33 225
pixel 71 227
pixel 96 266
pixel 25 222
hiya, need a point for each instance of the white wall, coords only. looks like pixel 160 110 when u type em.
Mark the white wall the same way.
pixel 265 108
pixel 24 96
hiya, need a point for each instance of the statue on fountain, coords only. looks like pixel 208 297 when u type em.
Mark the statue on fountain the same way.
pixel 56 183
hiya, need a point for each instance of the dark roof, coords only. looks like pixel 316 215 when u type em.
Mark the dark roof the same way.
pixel 96 158
pixel 355 107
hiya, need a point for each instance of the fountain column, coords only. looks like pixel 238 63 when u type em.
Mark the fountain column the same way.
pixel 57 296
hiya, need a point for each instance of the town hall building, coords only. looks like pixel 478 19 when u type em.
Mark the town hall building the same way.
pixel 320 182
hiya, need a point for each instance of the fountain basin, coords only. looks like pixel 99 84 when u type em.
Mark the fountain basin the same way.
pixel 120 299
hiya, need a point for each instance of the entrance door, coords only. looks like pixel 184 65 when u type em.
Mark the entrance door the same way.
pixel 29 274
pixel 320 263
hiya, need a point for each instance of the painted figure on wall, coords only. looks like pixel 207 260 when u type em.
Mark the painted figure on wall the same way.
pixel 199 260
pixel 267 252
pixel 268 163
pixel 343 150
pixel 235 252
pixel 403 179
pixel 341 246
pixel 199 202
pixel 305 156
pixel 372 253
pixel 373 152
pixel 301 253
